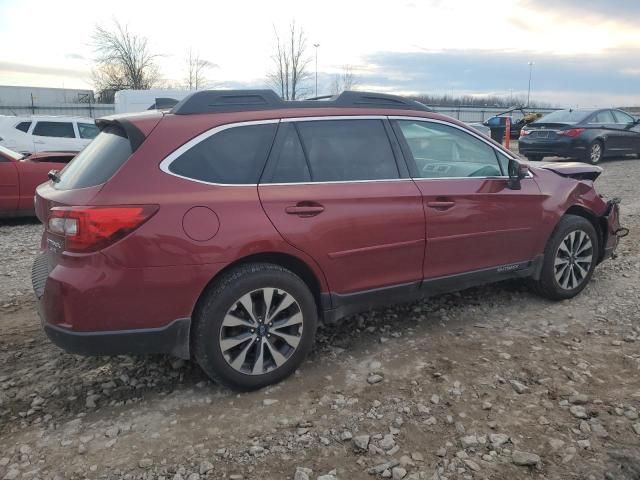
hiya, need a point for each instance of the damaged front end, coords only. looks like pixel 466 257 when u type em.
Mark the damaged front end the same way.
pixel 611 228
pixel 576 170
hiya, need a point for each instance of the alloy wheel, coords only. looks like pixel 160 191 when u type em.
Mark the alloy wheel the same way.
pixel 573 260
pixel 261 331
pixel 595 152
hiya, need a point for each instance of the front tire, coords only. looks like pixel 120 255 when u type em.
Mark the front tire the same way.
pixel 570 258
pixel 254 326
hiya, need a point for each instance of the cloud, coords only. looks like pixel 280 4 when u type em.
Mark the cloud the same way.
pixel 12 67
pixel 75 56
pixel 499 72
pixel 625 11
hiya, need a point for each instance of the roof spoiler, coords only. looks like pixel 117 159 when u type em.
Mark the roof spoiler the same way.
pixel 133 133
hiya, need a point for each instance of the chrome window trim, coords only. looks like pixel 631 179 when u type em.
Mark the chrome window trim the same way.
pixel 341 181
pixel 166 162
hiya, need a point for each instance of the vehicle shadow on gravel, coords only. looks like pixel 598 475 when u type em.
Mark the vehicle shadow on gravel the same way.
pixel 11 222
pixel 42 382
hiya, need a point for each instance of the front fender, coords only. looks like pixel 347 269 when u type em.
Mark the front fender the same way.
pixel 566 195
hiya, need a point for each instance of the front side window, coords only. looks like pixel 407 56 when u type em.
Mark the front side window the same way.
pixel 23 126
pixel 87 130
pixel 232 156
pixel 54 129
pixel 347 150
pixel 442 151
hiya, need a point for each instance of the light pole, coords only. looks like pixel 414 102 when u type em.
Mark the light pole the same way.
pixel 316 45
pixel 531 64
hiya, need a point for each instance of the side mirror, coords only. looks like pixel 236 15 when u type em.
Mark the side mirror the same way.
pixel 517 171
pixel 54 175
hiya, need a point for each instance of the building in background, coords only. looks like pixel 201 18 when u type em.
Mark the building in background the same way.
pixel 50 101
pixel 21 96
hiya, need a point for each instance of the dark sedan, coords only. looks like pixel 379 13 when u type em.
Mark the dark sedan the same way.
pixel 588 135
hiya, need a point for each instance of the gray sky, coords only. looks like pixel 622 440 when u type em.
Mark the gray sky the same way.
pixel 586 52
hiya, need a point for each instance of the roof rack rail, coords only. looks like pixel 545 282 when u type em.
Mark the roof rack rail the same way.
pixel 221 101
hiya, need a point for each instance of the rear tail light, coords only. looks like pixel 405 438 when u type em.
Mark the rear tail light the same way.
pixel 572 132
pixel 88 229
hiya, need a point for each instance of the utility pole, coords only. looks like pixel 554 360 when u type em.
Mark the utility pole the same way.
pixel 316 45
pixel 531 64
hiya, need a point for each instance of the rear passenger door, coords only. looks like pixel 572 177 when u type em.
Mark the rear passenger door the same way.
pixel 55 136
pixel 614 141
pixel 336 189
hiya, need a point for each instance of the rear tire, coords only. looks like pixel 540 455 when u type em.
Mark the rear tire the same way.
pixel 535 158
pixel 254 326
pixel 570 258
pixel 594 153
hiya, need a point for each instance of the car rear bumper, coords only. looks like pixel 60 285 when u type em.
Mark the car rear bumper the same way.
pixel 557 147
pixel 94 308
pixel 172 339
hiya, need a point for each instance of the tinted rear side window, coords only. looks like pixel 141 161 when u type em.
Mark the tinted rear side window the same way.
pixel 288 164
pixel 232 156
pixel 98 161
pixel 23 126
pixel 54 129
pixel 347 150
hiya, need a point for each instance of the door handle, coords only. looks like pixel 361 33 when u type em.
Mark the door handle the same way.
pixel 441 205
pixel 305 210
pixel 38 141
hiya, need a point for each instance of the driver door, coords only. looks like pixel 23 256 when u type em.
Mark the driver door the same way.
pixel 473 221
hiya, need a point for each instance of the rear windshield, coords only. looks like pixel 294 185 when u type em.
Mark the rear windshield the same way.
pixel 98 161
pixel 565 116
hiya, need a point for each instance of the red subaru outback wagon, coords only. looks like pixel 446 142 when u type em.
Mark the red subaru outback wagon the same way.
pixel 223 229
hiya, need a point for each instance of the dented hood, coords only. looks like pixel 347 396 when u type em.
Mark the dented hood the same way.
pixel 577 170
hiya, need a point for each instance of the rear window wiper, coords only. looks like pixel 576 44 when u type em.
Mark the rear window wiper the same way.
pixel 54 175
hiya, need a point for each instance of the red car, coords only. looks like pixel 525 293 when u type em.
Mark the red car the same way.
pixel 20 175
pixel 223 230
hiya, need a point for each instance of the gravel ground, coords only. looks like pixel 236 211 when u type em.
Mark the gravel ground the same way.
pixel 492 382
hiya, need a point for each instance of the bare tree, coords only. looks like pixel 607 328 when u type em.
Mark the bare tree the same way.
pixel 123 60
pixel 291 63
pixel 347 80
pixel 196 68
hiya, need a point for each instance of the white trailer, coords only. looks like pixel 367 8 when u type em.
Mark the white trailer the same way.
pixel 127 101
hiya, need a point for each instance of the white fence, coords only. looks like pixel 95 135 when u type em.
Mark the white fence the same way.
pixel 95 110
pixel 91 110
